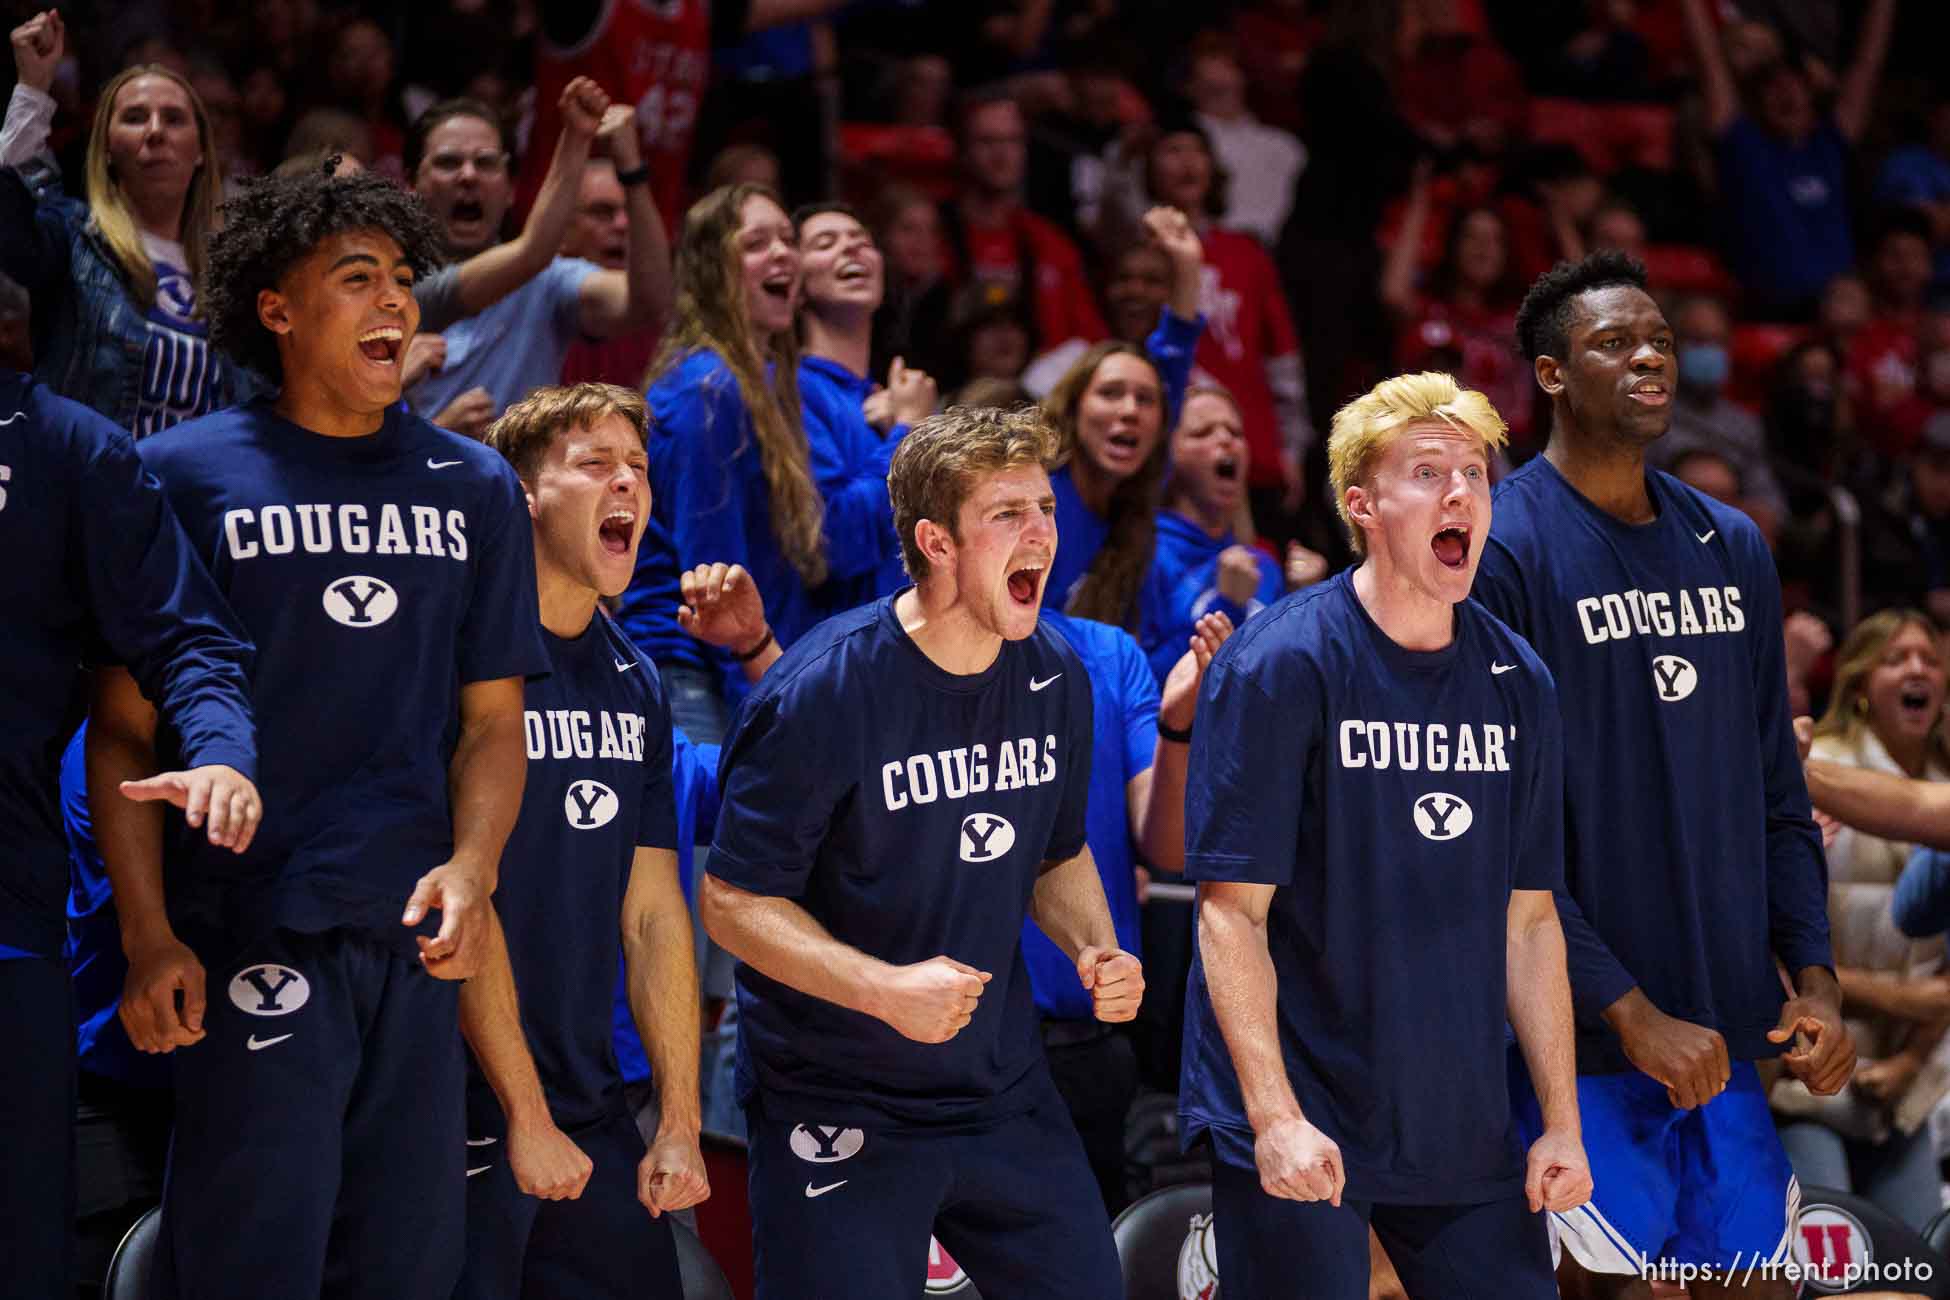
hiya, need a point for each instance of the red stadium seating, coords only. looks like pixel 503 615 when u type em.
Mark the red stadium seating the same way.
pixel 724 1222
pixel 1611 136
pixel 872 154
pixel 1688 268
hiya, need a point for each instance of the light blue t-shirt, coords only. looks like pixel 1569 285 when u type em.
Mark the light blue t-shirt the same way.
pixel 512 348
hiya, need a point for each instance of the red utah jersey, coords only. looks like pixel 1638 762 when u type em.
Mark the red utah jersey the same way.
pixel 655 54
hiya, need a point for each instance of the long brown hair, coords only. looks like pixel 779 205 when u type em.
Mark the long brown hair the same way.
pixel 1108 591
pixel 1847 717
pixel 108 206
pixel 711 314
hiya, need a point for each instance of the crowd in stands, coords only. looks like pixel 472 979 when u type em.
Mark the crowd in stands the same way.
pixel 1189 231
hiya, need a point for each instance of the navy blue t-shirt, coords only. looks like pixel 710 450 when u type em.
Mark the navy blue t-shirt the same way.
pixel 93 565
pixel 910 810
pixel 598 788
pixel 1124 708
pixel 377 576
pixel 1395 799
pixel 1691 860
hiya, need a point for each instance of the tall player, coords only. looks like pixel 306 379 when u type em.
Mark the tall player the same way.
pixel 1374 819
pixel 1691 862
pixel 559 1180
pixel 385 570
pixel 96 561
pixel 904 786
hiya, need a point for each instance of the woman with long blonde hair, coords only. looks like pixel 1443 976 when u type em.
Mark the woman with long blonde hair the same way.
pixel 1885 713
pixel 730 470
pixel 115 281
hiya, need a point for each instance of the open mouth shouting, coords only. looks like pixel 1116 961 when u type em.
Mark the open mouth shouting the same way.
pixel 1226 469
pixel 778 287
pixel 1026 583
pixel 382 344
pixel 1451 547
pixel 467 212
pixel 1919 703
pixel 617 531
pixel 852 271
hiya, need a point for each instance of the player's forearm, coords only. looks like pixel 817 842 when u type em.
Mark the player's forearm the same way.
pixel 1161 827
pixel 490 1020
pixel 494 273
pixel 128 835
pixel 1239 979
pixel 661 975
pixel 1539 1000
pixel 1069 906
pixel 1891 807
pixel 485 779
pixel 783 941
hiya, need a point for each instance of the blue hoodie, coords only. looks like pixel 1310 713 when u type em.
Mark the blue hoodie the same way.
pixel 850 459
pixel 1183 586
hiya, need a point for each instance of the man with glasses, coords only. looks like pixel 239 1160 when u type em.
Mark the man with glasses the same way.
pixel 457 158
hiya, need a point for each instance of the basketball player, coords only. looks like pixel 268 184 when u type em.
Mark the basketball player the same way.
pixel 1691 862
pixel 96 561
pixel 559 1181
pixel 904 786
pixel 385 570
pixel 1373 814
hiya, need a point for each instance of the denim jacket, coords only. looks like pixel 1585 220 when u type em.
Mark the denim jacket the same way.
pixel 88 326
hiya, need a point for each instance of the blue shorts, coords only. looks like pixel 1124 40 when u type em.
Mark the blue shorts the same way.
pixel 37 1115
pixel 1708 1186
pixel 320 1126
pixel 845 1213
pixel 601 1246
pixel 1265 1242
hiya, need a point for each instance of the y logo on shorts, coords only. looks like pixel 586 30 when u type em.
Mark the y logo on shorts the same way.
pixel 269 989
pixel 822 1144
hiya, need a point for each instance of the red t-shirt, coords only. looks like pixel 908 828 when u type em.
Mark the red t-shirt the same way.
pixel 655 54
pixel 1486 340
pixel 1246 325
pixel 1062 303
pixel 1882 378
pixel 623 360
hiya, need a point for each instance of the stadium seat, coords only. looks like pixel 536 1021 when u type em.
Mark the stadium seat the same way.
pixel 945 1277
pixel 1165 1245
pixel 133 1268
pixel 1937 1233
pixel 922 156
pixel 1755 349
pixel 724 1222
pixel 703 1279
pixel 1688 268
pixel 1844 1245
pixel 1610 136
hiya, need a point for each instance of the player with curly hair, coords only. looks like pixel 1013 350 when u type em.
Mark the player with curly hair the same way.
pixel 384 569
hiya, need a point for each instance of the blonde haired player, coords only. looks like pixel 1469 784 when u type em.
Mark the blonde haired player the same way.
pixel 1373 817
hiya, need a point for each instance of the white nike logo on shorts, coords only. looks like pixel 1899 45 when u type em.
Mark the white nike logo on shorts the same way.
pixel 1707 536
pixel 1035 685
pixel 479 1169
pixel 812 1191
pixel 441 464
pixel 480 1142
pixel 1497 670
pixel 257 1044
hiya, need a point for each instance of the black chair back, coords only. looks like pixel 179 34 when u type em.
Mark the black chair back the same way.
pixel 1843 1244
pixel 135 1269
pixel 1165 1245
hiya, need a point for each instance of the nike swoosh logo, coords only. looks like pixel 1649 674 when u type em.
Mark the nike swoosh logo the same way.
pixel 479 1169
pixel 257 1044
pixel 480 1142
pixel 441 464
pixel 812 1191
pixel 1497 670
pixel 1707 536
pixel 623 666
pixel 1035 685
pixel 17 415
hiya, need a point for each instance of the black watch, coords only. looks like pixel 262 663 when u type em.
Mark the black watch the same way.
pixel 637 175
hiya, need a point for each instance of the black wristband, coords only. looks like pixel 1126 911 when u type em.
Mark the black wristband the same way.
pixel 756 650
pixel 1173 734
pixel 638 175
